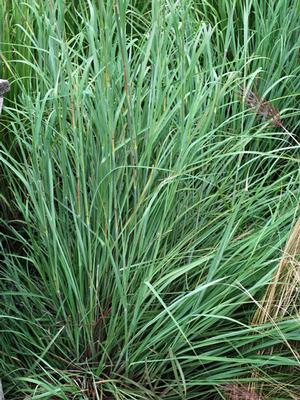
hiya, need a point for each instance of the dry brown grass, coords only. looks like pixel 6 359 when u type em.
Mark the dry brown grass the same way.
pixel 280 297
pixel 239 392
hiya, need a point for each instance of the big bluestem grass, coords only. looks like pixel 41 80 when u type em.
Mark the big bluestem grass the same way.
pixel 145 207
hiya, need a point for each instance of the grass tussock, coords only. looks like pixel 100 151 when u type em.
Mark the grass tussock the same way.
pixel 144 205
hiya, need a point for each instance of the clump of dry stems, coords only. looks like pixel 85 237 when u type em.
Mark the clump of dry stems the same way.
pixel 278 301
pixel 239 392
pixel 281 295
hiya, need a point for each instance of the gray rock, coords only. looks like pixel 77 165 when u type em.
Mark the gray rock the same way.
pixel 4 88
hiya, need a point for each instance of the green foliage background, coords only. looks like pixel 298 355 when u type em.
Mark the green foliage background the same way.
pixel 144 206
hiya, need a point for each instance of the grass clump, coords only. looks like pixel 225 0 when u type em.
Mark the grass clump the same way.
pixel 146 207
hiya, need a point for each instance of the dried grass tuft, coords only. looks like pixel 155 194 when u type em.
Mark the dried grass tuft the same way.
pixel 239 392
pixel 282 292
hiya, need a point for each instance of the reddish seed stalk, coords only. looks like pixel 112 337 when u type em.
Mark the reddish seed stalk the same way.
pixel 264 109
